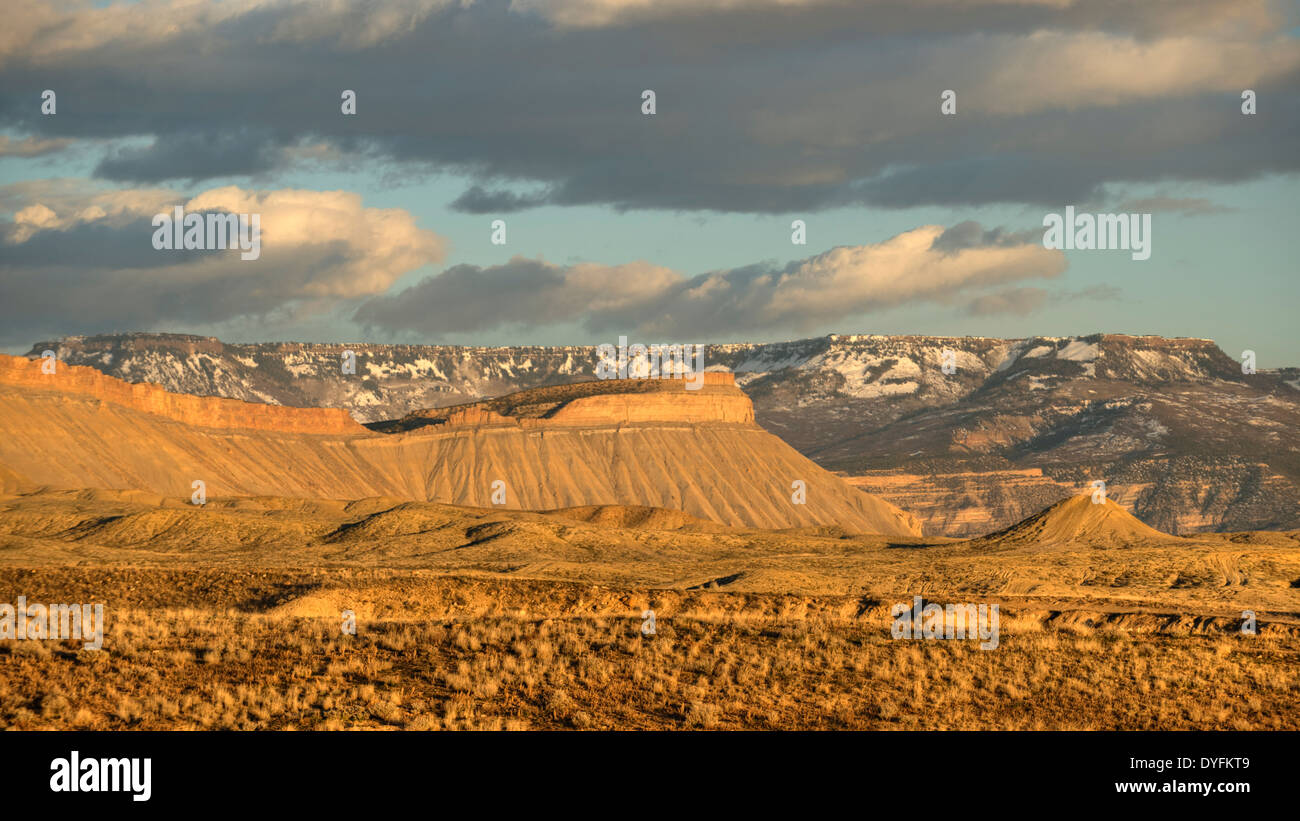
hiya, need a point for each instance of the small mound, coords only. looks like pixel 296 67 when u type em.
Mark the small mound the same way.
pixel 277 504
pixel 320 604
pixel 819 532
pixel 139 497
pixel 372 505
pixel 403 519
pixel 165 529
pixel 1077 521
pixel 636 517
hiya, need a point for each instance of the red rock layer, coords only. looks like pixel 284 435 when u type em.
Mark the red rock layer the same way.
pixel 201 411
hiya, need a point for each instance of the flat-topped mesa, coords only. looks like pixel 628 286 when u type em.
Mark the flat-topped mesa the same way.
pixel 200 411
pixel 77 428
pixel 717 400
pixel 118 344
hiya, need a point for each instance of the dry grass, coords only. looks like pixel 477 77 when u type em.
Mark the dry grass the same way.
pixel 230 619
pixel 176 669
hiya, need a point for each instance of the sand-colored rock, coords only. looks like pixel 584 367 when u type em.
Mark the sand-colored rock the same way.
pixel 80 429
pixel 200 411
pixel 684 407
pixel 1079 522
pixel 715 398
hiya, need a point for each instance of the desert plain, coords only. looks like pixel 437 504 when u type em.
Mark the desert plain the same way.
pixel 644 597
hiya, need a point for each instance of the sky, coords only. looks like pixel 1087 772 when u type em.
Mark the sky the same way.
pixel 922 211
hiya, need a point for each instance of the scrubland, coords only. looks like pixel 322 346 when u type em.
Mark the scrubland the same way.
pixel 232 617
pixel 748 664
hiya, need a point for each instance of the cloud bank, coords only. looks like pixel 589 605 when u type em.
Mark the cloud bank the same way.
pixel 926 264
pixel 773 106
pixel 78 260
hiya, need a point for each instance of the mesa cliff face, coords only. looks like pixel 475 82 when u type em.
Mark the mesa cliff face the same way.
pixel 717 400
pixel 606 443
pixel 200 411
pixel 714 398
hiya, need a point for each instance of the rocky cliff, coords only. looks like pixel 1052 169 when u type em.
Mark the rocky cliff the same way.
pixel 200 411
pixel 713 399
pixel 602 443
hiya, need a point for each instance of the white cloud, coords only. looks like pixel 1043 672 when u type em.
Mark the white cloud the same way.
pixel 837 284
pixel 84 260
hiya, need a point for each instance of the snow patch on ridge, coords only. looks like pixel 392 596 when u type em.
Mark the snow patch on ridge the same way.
pixel 1012 356
pixel 1078 351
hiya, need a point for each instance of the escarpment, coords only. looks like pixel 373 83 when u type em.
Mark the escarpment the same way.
pixel 709 397
pixel 200 411
pixel 632 442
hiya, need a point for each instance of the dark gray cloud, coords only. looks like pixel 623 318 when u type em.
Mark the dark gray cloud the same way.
pixel 194 156
pixel 76 293
pixel 87 245
pixel 971 234
pixel 761 107
pixel 477 200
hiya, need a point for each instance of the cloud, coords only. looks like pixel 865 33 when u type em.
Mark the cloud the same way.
pixel 596 13
pixel 1090 70
pixel 971 234
pixel 1101 293
pixel 31 146
pixel 1187 206
pixel 909 15
pixel 49 32
pixel 193 156
pixel 1017 301
pixel 773 106
pixel 651 300
pixel 477 200
pixel 85 263
pixel 45 32
pixel 63 203
pixel 1025 301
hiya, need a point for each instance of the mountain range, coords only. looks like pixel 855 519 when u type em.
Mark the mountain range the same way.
pixel 1179 434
